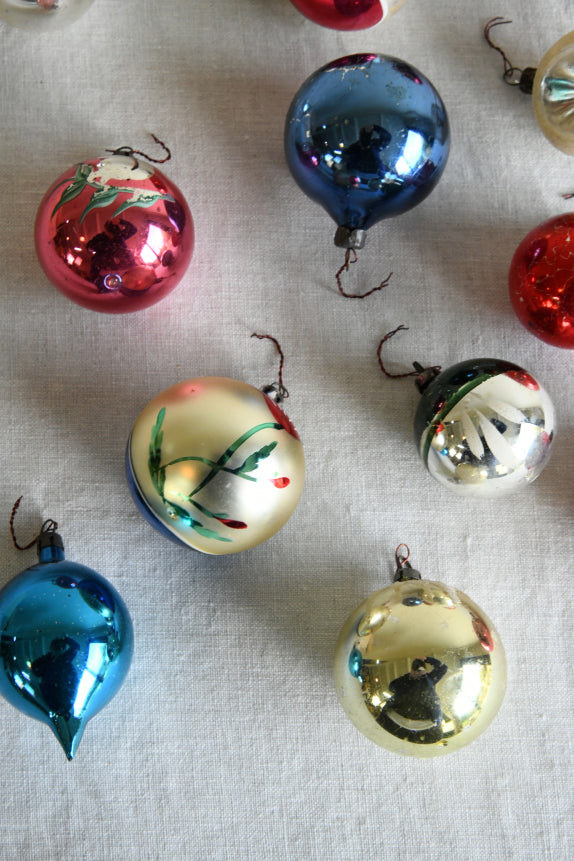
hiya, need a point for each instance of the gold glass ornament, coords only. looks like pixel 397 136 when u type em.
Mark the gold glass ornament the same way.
pixel 419 668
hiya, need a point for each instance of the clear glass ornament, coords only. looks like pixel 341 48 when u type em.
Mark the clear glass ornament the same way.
pixel 553 94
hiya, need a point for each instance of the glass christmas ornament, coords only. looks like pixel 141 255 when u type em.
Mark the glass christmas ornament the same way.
pixel 484 427
pixel 541 281
pixel 419 668
pixel 347 14
pixel 42 14
pixel 114 234
pixel 367 137
pixel 215 464
pixel 66 642
pixel 551 85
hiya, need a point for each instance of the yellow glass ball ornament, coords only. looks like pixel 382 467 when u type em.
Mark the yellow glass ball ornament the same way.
pixel 215 464
pixel 419 668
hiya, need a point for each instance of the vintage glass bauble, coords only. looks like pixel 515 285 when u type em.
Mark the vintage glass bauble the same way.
pixel 553 94
pixel 67 643
pixel 42 14
pixel 367 137
pixel 343 14
pixel 215 464
pixel 419 668
pixel 484 427
pixel 114 234
pixel 541 281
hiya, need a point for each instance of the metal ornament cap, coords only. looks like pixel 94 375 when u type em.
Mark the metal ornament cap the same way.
pixel 215 464
pixel 37 15
pixel 67 644
pixel 553 94
pixel 419 668
pixel 484 428
pixel 114 234
pixel 367 137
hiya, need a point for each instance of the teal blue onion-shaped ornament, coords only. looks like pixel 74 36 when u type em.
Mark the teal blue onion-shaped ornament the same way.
pixel 66 641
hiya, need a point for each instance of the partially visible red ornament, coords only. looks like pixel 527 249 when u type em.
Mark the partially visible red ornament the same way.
pixel 343 14
pixel 541 281
pixel 114 234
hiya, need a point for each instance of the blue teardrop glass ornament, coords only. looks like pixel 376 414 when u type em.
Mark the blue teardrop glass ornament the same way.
pixel 367 137
pixel 66 642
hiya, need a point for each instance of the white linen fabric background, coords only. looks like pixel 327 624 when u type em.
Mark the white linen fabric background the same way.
pixel 227 741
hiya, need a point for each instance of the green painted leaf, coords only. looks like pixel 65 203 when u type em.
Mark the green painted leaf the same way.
pixel 100 199
pixel 69 193
pixel 208 533
pixel 142 202
pixel 252 462
pixel 83 171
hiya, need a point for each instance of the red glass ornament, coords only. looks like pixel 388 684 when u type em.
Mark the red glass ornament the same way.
pixel 541 281
pixel 114 234
pixel 342 14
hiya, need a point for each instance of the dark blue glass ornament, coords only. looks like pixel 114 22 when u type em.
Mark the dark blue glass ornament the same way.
pixel 367 137
pixel 66 642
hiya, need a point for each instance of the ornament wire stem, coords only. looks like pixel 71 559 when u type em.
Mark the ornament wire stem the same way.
pixel 422 373
pixel 128 150
pixel 512 75
pixel 345 268
pixel 404 570
pixel 47 526
pixel 278 387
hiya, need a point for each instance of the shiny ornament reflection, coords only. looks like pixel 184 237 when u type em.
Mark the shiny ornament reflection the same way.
pixel 484 428
pixel 344 14
pixel 66 643
pixel 367 137
pixel 541 281
pixel 42 14
pixel 114 234
pixel 553 94
pixel 419 668
pixel 215 464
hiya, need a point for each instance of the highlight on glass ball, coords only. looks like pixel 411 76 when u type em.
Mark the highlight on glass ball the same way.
pixel 42 14
pixel 114 234
pixel 215 464
pixel 419 668
pixel 541 281
pixel 366 137
pixel 67 642
pixel 553 94
pixel 345 14
pixel 484 427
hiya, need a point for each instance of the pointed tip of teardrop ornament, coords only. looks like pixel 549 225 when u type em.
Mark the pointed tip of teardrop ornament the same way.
pixel 69 732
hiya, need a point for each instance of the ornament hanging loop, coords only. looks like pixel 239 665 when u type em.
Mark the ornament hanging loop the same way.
pixel 423 375
pixel 129 151
pixel 48 527
pixel 351 250
pixel 404 570
pixel 275 391
pixel 512 75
